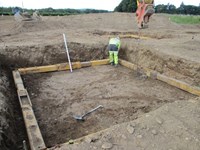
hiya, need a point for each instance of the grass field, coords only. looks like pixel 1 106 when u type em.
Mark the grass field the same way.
pixel 183 19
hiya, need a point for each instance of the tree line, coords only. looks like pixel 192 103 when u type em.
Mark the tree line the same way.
pixel 51 11
pixel 124 6
pixel 131 6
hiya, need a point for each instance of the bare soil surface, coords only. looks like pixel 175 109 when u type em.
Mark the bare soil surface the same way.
pixel 173 126
pixel 170 49
pixel 57 97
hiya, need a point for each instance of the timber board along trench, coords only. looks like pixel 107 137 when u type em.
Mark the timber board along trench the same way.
pixel 34 134
pixel 35 138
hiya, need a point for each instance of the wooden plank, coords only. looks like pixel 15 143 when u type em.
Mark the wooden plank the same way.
pixel 49 68
pixel 35 138
pixel 36 141
pixel 61 67
pixel 134 36
pixel 155 75
pixel 179 84
pixel 128 64
pixel 100 62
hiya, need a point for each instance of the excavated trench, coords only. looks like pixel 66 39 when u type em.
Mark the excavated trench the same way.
pixel 62 94
pixel 12 129
pixel 12 126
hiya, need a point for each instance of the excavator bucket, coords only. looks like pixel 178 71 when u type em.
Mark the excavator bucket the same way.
pixel 144 11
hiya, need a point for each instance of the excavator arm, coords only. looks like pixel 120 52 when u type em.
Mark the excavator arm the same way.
pixel 145 8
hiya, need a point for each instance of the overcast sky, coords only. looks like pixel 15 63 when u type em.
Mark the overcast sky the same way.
pixel 77 4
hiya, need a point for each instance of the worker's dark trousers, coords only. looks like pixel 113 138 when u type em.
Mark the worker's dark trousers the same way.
pixel 113 54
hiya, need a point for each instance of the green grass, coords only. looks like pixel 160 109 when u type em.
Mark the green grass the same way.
pixel 183 19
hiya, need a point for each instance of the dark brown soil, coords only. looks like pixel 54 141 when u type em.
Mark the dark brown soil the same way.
pixel 58 96
pixel 12 128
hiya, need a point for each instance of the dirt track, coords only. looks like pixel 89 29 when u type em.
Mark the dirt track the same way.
pixel 171 49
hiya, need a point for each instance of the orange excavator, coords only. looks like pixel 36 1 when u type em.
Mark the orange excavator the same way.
pixel 145 8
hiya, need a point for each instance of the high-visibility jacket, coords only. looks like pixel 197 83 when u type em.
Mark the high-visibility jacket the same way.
pixel 116 42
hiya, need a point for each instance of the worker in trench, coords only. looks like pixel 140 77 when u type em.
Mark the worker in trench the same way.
pixel 113 47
